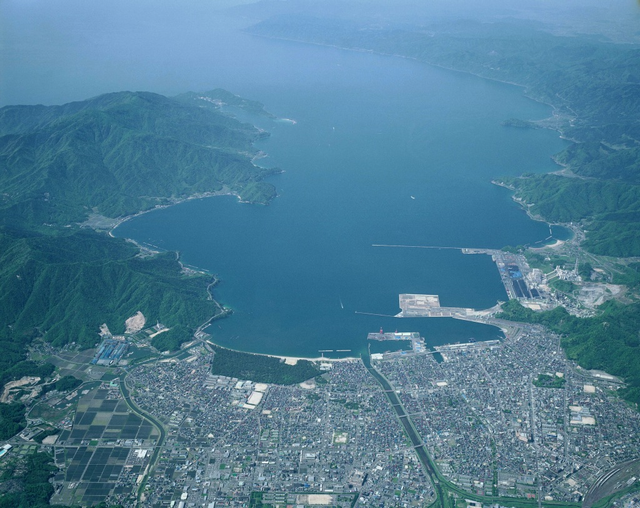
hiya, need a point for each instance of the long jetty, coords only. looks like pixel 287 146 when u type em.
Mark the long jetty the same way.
pixel 374 314
pixel 464 250
pixel 416 246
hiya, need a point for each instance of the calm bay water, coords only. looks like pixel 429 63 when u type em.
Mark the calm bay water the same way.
pixel 385 151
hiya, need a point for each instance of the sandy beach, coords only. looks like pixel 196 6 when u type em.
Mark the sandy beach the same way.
pixel 555 245
pixel 292 360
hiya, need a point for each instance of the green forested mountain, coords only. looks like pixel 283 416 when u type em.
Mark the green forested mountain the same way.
pixel 609 209
pixel 219 97
pixel 118 154
pixel 67 286
pixel 597 160
pixel 112 155
pixel 604 196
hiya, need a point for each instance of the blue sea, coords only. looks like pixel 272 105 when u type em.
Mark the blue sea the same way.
pixel 384 150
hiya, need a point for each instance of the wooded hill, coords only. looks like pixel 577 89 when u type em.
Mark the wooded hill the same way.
pixel 112 155
pixel 118 154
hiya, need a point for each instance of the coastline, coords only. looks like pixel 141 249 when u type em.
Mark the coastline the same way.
pixel 289 360
pixel 113 223
pixel 223 312
pixel 555 245
pixel 292 360
pixel 553 107
pixel 542 122
pixel 225 191
pixel 524 206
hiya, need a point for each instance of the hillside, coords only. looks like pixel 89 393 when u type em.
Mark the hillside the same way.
pixel 608 209
pixel 606 342
pixel 109 156
pixel 68 286
pixel 592 82
pixel 118 154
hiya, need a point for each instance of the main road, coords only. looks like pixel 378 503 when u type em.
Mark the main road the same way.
pixel 154 421
pixel 442 487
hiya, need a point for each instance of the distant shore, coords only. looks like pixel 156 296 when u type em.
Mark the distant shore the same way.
pixel 554 108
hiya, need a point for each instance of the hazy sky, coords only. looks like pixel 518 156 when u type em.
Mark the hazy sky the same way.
pixel 52 52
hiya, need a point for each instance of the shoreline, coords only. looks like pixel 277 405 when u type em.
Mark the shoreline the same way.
pixel 555 245
pixel 200 195
pixel 524 206
pixel 555 110
pixel 292 360
pixel 553 107
pixel 289 360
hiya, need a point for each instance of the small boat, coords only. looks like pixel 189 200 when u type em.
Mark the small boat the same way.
pixel 412 197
